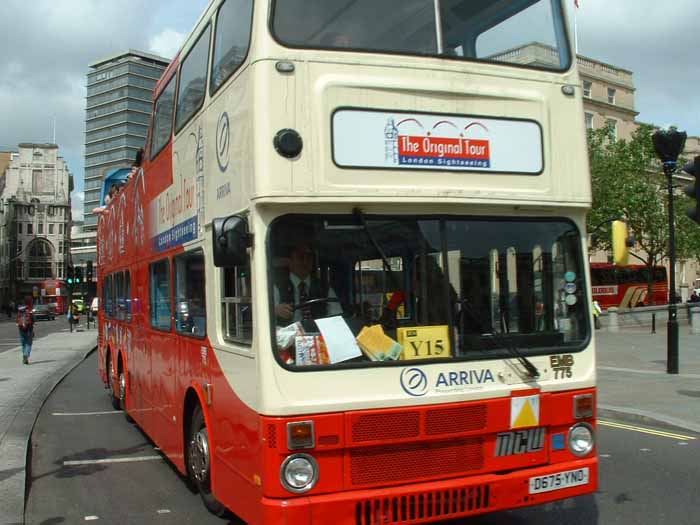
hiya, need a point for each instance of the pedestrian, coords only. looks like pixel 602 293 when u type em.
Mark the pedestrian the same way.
pixel 694 298
pixel 25 324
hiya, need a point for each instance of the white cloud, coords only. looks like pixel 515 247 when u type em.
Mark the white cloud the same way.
pixel 166 43
pixel 76 201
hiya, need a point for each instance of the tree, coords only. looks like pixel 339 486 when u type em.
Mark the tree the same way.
pixel 628 182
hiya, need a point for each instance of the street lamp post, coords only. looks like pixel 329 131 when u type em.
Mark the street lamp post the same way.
pixel 668 145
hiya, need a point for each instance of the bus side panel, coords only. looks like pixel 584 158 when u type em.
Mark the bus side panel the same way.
pixel 237 440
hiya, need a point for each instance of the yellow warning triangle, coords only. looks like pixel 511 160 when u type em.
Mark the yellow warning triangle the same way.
pixel 527 417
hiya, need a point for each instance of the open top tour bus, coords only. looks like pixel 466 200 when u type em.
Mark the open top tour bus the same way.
pixel 348 282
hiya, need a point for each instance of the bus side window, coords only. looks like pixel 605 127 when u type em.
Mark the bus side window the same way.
pixel 108 293
pixel 160 295
pixel 127 295
pixel 193 80
pixel 119 292
pixel 231 40
pixel 190 299
pixel 163 118
pixel 236 304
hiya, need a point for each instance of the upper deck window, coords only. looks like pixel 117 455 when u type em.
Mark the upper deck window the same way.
pixel 231 39
pixel 163 118
pixel 526 33
pixel 193 80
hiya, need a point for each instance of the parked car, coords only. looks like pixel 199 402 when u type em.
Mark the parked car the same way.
pixel 43 311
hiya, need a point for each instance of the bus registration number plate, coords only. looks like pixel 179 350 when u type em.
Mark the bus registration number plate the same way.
pixel 560 480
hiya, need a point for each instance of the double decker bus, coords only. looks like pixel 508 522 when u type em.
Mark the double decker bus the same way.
pixel 627 286
pixel 420 167
pixel 55 294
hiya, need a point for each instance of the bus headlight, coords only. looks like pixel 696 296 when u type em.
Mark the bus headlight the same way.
pixel 581 439
pixel 299 473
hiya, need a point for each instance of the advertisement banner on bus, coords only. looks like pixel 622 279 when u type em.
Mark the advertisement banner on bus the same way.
pixel 377 139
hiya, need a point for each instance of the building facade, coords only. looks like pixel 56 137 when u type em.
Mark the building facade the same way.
pixel 35 217
pixel 119 101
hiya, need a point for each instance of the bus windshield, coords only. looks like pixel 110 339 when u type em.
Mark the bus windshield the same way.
pixel 484 30
pixel 403 288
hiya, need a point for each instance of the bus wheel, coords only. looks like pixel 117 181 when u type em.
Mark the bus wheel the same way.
pixel 198 462
pixel 113 397
pixel 122 392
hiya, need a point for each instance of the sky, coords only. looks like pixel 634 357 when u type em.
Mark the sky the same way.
pixel 46 46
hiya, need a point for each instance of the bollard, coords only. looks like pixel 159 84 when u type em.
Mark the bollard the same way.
pixel 614 321
pixel 695 320
pixel 653 323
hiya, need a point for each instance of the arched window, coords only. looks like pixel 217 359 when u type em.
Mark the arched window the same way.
pixel 40 260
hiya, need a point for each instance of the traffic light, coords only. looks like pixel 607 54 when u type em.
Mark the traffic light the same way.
pixel 70 277
pixel 78 274
pixel 620 243
pixel 693 190
pixel 88 272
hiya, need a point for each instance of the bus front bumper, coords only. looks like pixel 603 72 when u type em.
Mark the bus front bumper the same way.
pixel 438 500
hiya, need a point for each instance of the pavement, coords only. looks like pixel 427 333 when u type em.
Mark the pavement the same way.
pixel 23 390
pixel 633 386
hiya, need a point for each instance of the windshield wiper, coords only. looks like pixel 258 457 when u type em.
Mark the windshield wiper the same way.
pixel 503 341
pixel 397 297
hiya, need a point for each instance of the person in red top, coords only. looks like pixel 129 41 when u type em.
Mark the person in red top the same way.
pixel 25 323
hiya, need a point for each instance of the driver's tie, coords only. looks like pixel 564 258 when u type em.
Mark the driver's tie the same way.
pixel 304 297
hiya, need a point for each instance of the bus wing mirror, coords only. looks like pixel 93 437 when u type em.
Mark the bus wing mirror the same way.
pixel 231 241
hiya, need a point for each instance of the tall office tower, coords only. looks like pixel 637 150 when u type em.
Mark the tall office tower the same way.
pixel 119 100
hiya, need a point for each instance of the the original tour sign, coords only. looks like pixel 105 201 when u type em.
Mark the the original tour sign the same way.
pixel 377 139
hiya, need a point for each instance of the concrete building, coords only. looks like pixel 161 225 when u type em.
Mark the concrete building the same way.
pixel 35 216
pixel 118 108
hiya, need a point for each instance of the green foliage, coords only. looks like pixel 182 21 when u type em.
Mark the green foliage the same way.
pixel 628 182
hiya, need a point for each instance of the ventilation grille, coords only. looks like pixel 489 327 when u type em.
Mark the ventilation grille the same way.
pixel 457 419
pixel 329 440
pixel 371 466
pixel 382 426
pixel 416 508
pixel 271 436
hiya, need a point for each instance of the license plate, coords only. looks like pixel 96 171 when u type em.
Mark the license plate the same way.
pixel 560 480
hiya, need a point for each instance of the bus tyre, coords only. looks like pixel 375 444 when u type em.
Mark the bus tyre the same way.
pixel 122 393
pixel 113 397
pixel 198 462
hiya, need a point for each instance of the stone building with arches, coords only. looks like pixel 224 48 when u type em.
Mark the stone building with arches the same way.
pixel 35 218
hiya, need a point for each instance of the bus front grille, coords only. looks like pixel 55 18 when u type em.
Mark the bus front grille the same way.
pixel 415 461
pixel 379 426
pixel 414 508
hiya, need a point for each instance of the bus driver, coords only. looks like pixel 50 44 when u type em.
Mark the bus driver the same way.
pixel 300 286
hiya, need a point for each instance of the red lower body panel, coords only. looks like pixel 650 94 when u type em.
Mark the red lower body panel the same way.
pixel 427 502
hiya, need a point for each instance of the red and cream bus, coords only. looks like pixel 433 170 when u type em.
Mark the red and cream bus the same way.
pixel 349 284
pixel 627 286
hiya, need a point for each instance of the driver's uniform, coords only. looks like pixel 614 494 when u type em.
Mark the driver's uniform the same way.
pixel 288 292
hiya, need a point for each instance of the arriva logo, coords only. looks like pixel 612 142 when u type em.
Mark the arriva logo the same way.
pixel 414 382
pixel 223 141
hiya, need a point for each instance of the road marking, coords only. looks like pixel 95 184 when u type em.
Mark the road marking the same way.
pixel 111 460
pixel 645 430
pixel 91 518
pixel 163 511
pixel 105 413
